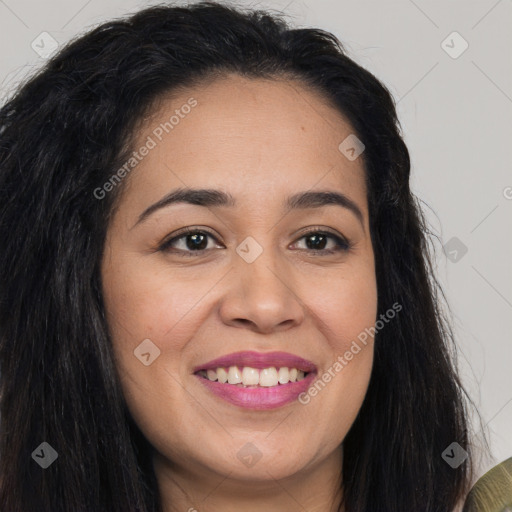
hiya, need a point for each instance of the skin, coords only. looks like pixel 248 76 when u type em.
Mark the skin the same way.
pixel 261 141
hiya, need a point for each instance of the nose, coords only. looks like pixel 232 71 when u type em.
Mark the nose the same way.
pixel 262 297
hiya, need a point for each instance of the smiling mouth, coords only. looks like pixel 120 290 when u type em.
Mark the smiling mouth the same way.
pixel 248 377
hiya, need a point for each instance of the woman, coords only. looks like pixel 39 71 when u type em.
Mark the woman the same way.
pixel 216 291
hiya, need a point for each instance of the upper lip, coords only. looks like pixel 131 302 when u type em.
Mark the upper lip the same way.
pixel 259 360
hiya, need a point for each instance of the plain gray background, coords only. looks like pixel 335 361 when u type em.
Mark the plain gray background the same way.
pixel 455 108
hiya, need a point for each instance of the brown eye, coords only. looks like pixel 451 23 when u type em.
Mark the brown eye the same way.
pixel 189 241
pixel 317 241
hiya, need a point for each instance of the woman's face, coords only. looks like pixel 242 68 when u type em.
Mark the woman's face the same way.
pixel 250 280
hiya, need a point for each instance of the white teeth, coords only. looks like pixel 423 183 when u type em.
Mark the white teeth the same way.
pixel 222 375
pixel 250 376
pixel 247 376
pixel 283 375
pixel 268 377
pixel 234 375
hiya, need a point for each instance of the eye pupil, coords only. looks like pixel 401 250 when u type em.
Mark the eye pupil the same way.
pixel 199 241
pixel 319 238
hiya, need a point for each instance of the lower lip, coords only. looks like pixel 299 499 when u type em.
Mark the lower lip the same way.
pixel 260 398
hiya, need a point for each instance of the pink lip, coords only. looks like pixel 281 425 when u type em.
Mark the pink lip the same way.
pixel 259 360
pixel 259 398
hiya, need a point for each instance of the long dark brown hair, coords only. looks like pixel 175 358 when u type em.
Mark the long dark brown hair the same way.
pixel 62 135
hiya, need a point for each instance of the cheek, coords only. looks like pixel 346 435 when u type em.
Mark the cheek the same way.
pixel 345 304
pixel 141 305
pixel 149 304
pixel 345 310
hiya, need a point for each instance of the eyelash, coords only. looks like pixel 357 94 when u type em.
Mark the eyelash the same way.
pixel 343 245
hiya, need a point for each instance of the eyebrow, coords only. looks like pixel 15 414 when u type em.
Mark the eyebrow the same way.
pixel 212 198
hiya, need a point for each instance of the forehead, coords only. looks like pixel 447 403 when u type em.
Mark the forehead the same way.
pixel 255 137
